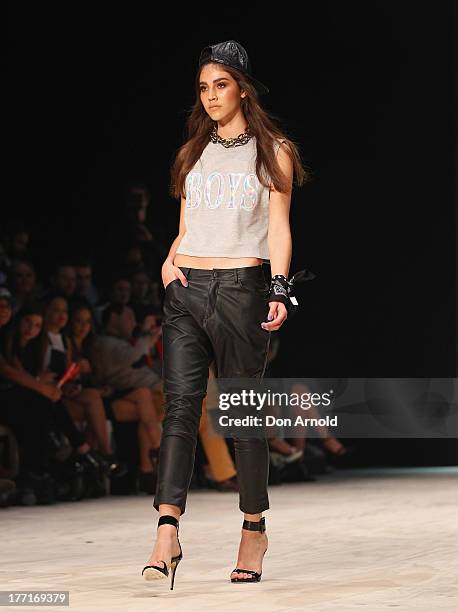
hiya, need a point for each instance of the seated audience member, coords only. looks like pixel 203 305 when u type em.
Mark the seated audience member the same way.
pixel 141 287
pixel 135 388
pixel 22 282
pixel 85 289
pixel 31 403
pixel 6 314
pixel 152 358
pixel 84 404
pixel 62 281
pixel 281 451
pixel 293 449
pixel 27 401
pixel 6 320
pixel 6 308
pixel 144 291
pixel 87 406
pixel 16 240
pixel 131 257
pixel 140 255
pixel 119 292
pixel 331 445
pixel 5 264
pixel 117 350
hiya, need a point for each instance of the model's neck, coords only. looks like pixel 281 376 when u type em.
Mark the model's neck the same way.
pixel 231 128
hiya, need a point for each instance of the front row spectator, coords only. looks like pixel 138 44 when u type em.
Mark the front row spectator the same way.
pixel 83 402
pixel 31 403
pixel 116 357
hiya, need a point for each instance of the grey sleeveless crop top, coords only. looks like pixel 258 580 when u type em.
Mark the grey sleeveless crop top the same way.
pixel 227 208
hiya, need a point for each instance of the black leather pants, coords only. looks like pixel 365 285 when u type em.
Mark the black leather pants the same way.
pixel 216 318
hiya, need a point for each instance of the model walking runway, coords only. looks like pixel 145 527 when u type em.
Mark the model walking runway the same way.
pixel 233 176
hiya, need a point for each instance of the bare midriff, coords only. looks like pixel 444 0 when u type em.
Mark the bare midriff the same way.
pixel 207 263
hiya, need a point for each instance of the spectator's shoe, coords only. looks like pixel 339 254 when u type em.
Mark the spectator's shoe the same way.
pixel 96 460
pixel 60 446
pixel 96 473
pixel 254 576
pixel 154 455
pixel 116 468
pixel 70 479
pixel 153 572
pixel 279 459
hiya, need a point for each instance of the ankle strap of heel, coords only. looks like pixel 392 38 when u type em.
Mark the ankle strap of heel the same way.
pixel 167 520
pixel 255 525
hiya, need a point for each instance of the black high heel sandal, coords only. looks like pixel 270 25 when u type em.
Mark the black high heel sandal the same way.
pixel 255 576
pixel 154 572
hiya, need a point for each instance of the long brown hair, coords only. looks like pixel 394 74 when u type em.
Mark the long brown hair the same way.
pixel 261 124
pixel 31 357
pixel 89 341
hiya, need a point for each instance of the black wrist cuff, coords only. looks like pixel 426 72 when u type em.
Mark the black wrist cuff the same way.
pixel 282 289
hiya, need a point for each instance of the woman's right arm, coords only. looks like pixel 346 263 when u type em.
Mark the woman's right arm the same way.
pixel 169 270
pixel 24 379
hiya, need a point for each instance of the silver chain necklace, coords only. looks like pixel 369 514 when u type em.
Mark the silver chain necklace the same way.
pixel 241 139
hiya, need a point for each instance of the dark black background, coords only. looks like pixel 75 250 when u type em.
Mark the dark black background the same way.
pixel 98 94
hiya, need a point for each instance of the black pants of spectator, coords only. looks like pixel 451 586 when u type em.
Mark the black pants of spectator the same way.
pixel 31 416
pixel 216 317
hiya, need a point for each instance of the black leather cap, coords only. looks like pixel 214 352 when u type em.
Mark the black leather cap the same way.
pixel 231 53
